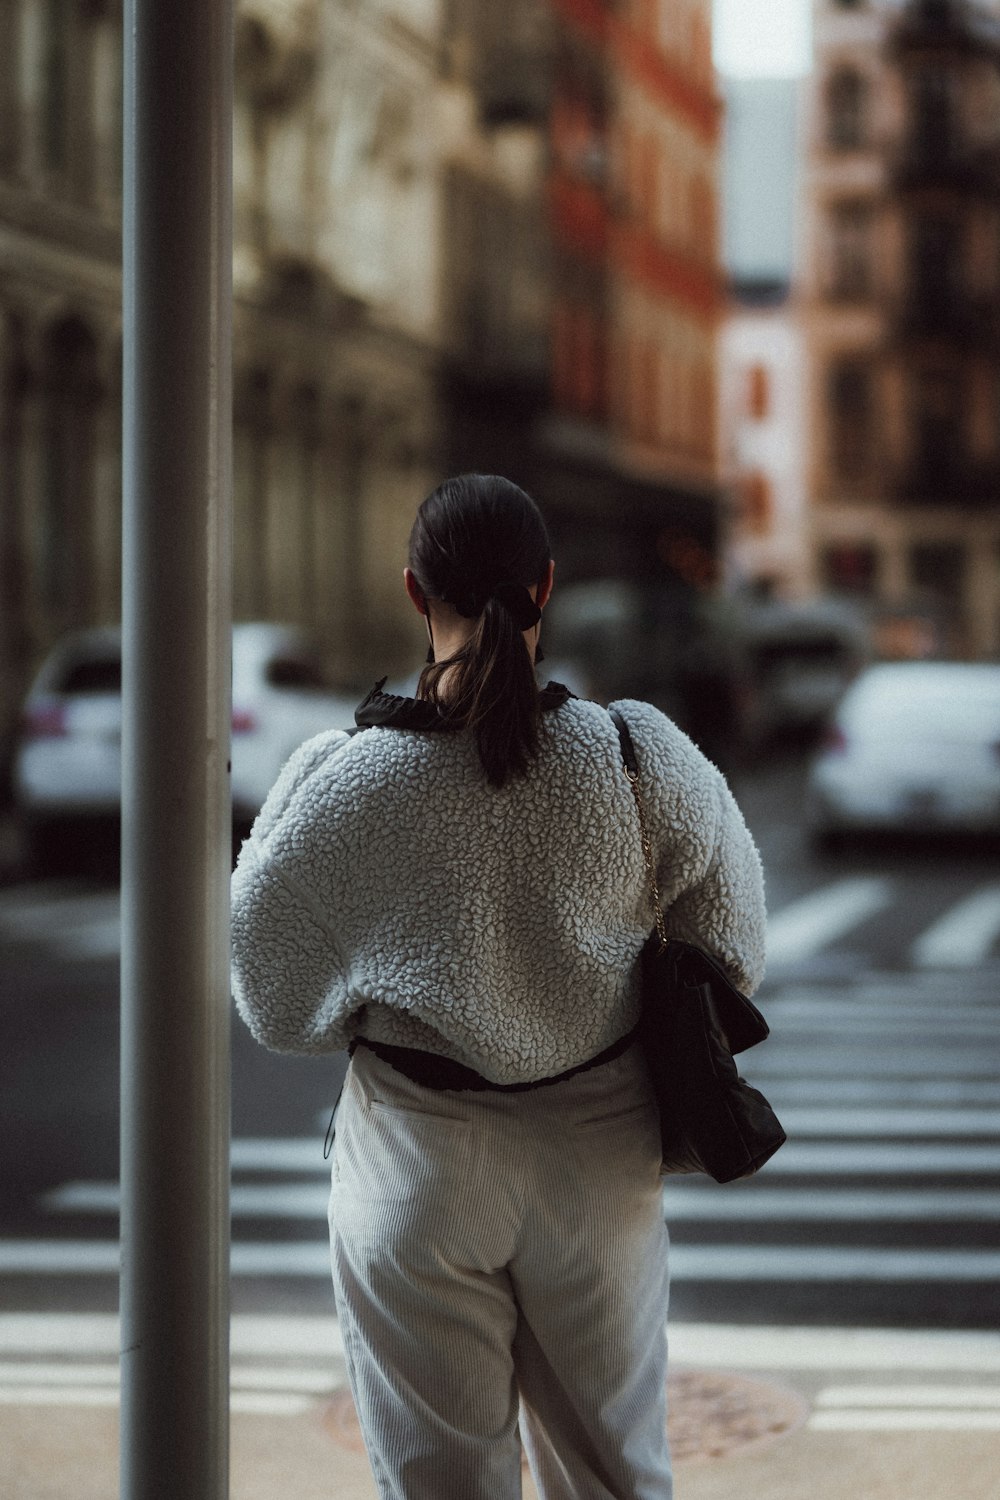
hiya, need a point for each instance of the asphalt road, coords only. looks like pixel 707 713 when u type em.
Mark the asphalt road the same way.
pixel 883 1210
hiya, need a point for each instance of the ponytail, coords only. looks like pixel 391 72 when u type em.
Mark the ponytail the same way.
pixel 479 543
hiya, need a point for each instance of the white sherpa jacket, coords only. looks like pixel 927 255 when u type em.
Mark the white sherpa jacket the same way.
pixel 388 891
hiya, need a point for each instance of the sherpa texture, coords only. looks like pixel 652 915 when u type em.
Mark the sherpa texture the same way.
pixel 388 891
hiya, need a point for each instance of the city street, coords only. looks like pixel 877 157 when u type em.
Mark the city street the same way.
pixel 883 1210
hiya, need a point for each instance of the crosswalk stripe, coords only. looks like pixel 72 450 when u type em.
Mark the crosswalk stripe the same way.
pixel 849 1121
pixel 985 1396
pixel 935 1092
pixel 685 1201
pixel 253 1403
pixel 768 1263
pixel 880 1159
pixel 842 1058
pixel 277 1154
pixel 963 937
pixel 814 921
pixel 305 1157
pixel 904 1421
pixel 763 1205
pixel 925 1027
pixel 276 1337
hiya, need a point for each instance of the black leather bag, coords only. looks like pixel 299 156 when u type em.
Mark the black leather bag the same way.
pixel 693 1020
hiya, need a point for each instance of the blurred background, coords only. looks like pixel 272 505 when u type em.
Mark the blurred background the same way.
pixel 716 284
pixel 719 284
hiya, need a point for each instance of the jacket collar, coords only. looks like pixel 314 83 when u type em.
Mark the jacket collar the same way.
pixel 393 711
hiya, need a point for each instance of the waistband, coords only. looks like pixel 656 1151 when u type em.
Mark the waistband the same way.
pixel 436 1072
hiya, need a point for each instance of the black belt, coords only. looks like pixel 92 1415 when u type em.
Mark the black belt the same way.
pixel 437 1072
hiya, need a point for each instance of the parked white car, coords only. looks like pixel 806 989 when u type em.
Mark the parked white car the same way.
pixel 67 762
pixel 913 747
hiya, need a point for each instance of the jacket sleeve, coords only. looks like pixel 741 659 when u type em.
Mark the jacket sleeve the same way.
pixel 288 976
pixel 708 868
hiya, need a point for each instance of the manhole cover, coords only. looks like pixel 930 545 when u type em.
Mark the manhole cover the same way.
pixel 714 1415
pixel 709 1415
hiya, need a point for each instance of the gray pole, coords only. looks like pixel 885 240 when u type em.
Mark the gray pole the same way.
pixel 175 803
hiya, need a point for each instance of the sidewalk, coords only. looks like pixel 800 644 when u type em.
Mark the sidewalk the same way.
pixel 788 1414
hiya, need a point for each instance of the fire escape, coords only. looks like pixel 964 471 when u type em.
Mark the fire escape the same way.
pixel 944 184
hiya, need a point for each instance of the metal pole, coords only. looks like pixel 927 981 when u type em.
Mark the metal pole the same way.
pixel 175 803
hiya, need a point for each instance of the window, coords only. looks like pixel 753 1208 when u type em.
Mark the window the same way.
pixel 65 515
pixel 937 569
pixel 850 405
pixel 850 244
pixel 758 392
pixel 757 507
pixel 252 440
pixel 55 124
pixel 932 111
pixel 847 101
pixel 937 402
pixel 935 258
pixel 850 568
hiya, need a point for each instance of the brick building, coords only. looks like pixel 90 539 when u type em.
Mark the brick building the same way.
pixel 630 451
pixel 901 289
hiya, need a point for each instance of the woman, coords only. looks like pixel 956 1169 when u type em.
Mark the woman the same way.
pixel 459 895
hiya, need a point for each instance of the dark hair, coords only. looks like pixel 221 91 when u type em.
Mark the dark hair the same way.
pixel 479 543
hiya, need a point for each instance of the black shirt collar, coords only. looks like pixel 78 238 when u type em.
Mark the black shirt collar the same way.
pixel 393 711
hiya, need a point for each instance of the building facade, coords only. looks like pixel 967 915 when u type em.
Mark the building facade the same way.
pixel 336 320
pixel 763 422
pixel 466 236
pixel 762 407
pixel 634 188
pixel 901 286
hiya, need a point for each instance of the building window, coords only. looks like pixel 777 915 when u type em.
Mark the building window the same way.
pixel 935 257
pixel 850 568
pixel 65 516
pixel 932 105
pixel 56 84
pixel 757 503
pixel 850 405
pixel 937 402
pixel 937 571
pixel 307 443
pixel 851 248
pixel 847 101
pixel 252 460
pixel 758 392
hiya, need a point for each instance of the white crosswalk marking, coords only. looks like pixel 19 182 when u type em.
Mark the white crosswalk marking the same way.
pixel 888 1086
pixel 964 935
pixel 266 1259
pixel 819 918
pixel 309 1201
pixel 69 920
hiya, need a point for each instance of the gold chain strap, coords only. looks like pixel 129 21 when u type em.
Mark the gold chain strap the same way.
pixel 647 854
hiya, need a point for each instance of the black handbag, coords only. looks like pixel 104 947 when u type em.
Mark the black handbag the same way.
pixel 693 1019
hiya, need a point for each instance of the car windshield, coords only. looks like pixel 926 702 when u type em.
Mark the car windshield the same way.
pixel 91 676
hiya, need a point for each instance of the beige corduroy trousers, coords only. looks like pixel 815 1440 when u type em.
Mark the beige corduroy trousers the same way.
pixel 500 1271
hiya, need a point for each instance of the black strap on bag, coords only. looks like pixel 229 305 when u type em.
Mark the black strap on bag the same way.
pixel 693 1019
